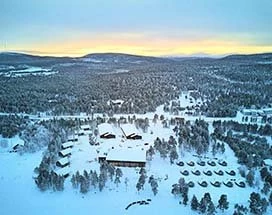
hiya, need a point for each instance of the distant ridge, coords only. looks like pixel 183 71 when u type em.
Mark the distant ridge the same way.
pixel 21 58
pixel 260 56
pixel 14 57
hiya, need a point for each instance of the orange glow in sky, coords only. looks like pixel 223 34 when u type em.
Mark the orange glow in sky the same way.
pixel 145 27
pixel 142 46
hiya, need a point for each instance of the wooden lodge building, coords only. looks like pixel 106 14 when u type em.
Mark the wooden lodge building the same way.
pixel 125 157
pixel 106 131
pixel 130 132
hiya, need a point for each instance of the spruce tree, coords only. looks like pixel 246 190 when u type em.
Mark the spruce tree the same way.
pixel 194 203
pixel 202 205
pixel 270 198
pixel 211 208
pixel 154 186
pixel 185 199
pixel 223 203
pixel 117 180
pixel 250 178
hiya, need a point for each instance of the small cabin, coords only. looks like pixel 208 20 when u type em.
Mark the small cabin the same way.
pixel 80 133
pixel 17 147
pixel 117 102
pixel 130 132
pixel 67 145
pixel 65 152
pixel 72 138
pixel 85 127
pixel 63 162
pixel 65 172
pixel 106 131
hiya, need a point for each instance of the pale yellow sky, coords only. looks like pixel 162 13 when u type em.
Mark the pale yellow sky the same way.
pixel 142 46
pixel 146 27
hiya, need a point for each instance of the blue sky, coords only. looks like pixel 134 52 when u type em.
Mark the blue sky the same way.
pixel 136 26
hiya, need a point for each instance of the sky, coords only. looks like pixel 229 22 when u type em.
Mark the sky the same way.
pixel 145 27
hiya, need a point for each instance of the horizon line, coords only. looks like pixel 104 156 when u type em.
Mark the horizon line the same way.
pixel 80 55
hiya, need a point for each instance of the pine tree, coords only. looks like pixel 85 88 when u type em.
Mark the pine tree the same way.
pixel 84 185
pixel 94 179
pixel 60 183
pixel 101 181
pixel 264 173
pixel 117 180
pixel 87 179
pixel 173 155
pixel 266 188
pixel 207 197
pixel 185 199
pixel 118 172
pixel 270 198
pixel 149 153
pixel 111 170
pixel 211 208
pixel 142 171
pixel 77 177
pixel 194 203
pixel 74 182
pixel 43 180
pixel 142 180
pixel 154 186
pixel 240 210
pixel 223 203
pixel 138 186
pixel 250 178
pixel 202 205
pixel 176 190
pixel 126 183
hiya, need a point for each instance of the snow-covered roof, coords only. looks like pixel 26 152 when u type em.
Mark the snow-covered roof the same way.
pixel 80 132
pixel 18 143
pixel 105 128
pixel 63 171
pixel 267 110
pixel 126 154
pixel 250 111
pixel 72 137
pixel 268 162
pixel 129 129
pixel 115 102
pixel 63 161
pixel 67 144
pixel 255 111
pixel 85 127
pixel 66 151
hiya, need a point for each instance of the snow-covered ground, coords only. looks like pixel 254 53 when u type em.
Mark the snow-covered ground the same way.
pixel 20 195
pixel 30 70
pixel 16 181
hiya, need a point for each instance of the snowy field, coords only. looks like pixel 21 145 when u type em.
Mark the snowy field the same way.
pixel 30 70
pixel 20 195
pixel 17 183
